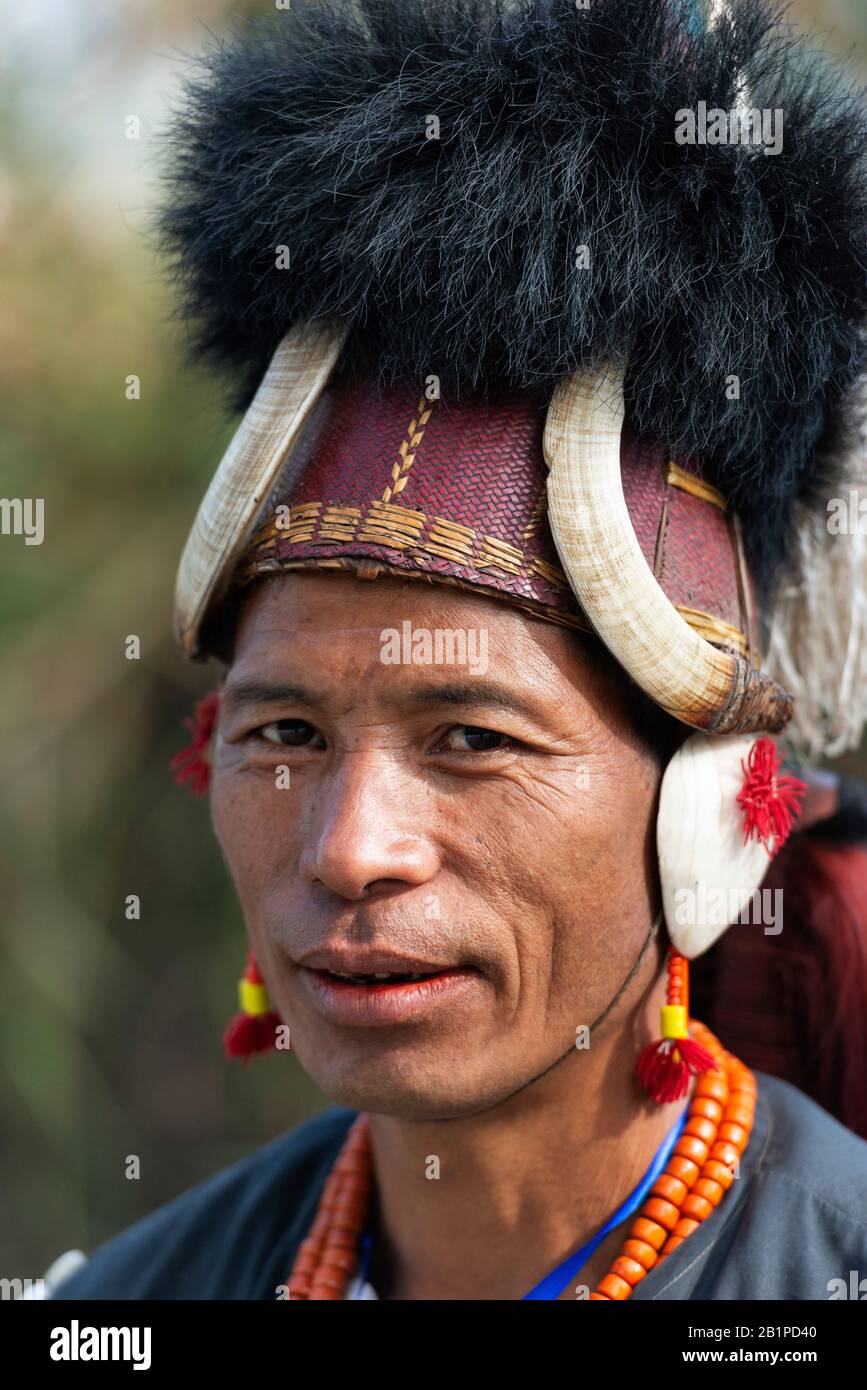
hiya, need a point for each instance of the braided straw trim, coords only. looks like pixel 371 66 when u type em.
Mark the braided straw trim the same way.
pixel 408 449
pixel 714 629
pixel 401 528
pixel 365 568
pixel 679 477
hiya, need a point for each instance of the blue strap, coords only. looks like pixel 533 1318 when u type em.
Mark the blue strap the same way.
pixel 554 1283
pixel 366 1251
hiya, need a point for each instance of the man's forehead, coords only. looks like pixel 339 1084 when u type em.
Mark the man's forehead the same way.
pixel 446 649
pixel 354 621
pixel 342 601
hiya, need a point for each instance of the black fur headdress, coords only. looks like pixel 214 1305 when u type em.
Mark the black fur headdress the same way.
pixel 433 169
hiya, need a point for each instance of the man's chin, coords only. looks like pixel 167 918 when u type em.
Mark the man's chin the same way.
pixel 381 1088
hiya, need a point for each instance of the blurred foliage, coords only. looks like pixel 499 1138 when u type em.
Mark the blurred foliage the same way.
pixel 110 1029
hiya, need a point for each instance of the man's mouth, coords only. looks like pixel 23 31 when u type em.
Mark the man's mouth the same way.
pixel 384 980
pixel 380 997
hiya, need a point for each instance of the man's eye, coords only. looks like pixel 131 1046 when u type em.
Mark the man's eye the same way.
pixel 469 738
pixel 292 733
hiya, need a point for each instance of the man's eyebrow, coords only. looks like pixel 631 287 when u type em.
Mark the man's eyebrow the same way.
pixel 489 694
pixel 252 692
pixel 474 693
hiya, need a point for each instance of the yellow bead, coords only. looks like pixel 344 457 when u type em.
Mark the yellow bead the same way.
pixel 252 998
pixel 674 1021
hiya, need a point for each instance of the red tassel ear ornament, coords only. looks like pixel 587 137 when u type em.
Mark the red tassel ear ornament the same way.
pixel 254 1028
pixel 192 765
pixel 770 803
pixel 665 1066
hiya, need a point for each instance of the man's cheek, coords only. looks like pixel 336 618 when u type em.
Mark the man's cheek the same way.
pixel 229 817
pixel 249 833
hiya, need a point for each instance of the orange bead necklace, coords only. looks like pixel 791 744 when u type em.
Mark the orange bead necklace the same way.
pixel 698 1173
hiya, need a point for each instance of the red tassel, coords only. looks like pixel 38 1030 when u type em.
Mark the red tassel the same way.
pixel 254 1028
pixel 247 1034
pixel 665 1066
pixel 191 764
pixel 770 803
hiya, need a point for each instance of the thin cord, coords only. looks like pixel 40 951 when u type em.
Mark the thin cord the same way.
pixel 630 977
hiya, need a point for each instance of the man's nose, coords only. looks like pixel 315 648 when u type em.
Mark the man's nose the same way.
pixel 368 829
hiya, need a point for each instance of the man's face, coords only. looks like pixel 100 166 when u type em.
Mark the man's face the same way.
pixel 491 829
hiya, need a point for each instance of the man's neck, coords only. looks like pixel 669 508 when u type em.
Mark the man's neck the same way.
pixel 525 1183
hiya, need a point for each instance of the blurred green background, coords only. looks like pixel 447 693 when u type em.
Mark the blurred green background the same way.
pixel 110 1029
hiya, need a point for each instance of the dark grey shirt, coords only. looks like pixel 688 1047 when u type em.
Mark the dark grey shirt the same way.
pixel 793 1222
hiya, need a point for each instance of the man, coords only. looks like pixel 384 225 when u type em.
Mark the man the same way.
pixel 543 395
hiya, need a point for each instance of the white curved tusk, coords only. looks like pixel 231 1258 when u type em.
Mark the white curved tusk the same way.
pixel 296 377
pixel 696 683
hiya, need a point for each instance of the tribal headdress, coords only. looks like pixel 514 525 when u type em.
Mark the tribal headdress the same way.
pixel 562 304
